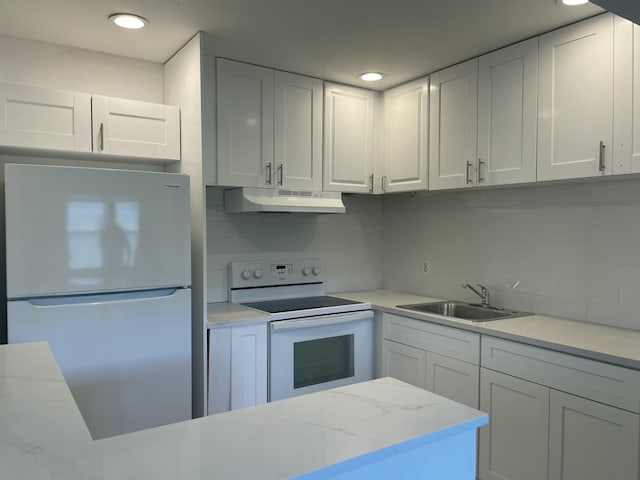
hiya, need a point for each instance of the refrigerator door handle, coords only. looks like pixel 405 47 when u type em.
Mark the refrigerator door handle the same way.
pixel 101 298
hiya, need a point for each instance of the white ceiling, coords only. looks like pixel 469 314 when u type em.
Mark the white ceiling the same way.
pixel 330 39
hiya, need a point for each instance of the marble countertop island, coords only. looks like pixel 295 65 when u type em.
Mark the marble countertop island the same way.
pixel 367 430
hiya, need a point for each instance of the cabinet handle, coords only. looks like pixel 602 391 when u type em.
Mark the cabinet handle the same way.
pixel 269 173
pixel 371 180
pixel 101 136
pixel 281 179
pixel 468 179
pixel 601 157
pixel 384 183
pixel 480 166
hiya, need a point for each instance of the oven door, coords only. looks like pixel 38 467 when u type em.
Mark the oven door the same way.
pixel 316 353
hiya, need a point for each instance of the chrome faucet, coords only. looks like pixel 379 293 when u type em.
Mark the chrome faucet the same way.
pixel 483 293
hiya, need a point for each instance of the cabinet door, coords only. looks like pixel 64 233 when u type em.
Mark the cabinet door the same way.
pixel 508 115
pixel 245 124
pixel 453 126
pixel 298 132
pixel 591 441
pixel 404 363
pixel 137 129
pixel 635 143
pixel 453 379
pixel 406 112
pixel 514 446
pixel 45 118
pixel 248 366
pixel 348 139
pixel 575 103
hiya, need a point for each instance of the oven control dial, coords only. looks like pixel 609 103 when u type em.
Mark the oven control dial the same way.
pixel 246 274
pixel 257 274
pixel 316 270
pixel 306 271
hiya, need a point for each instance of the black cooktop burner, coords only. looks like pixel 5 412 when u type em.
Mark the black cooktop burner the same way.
pixel 304 303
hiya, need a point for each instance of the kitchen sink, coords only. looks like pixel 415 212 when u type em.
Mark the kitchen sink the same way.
pixel 465 311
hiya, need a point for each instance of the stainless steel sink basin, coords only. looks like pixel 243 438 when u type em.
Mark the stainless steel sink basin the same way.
pixel 465 311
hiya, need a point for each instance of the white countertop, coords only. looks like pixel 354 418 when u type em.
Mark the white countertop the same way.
pixel 224 314
pixel 43 436
pixel 599 342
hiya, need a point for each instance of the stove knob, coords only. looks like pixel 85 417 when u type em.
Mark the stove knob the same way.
pixel 316 270
pixel 257 274
pixel 246 274
pixel 306 271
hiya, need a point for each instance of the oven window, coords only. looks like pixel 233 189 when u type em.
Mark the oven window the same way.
pixel 322 360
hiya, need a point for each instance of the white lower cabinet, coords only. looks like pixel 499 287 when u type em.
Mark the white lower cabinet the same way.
pixel 405 363
pixel 515 443
pixel 545 422
pixel 453 379
pixel 433 357
pixel 237 367
pixel 591 441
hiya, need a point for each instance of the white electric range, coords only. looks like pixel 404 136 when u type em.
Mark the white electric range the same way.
pixel 316 341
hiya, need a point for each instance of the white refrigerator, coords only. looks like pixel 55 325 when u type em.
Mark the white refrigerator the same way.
pixel 98 266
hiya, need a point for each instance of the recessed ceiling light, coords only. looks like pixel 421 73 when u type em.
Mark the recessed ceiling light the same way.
pixel 572 3
pixel 370 76
pixel 128 20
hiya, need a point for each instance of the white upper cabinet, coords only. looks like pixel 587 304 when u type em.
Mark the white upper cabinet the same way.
pixel 135 129
pixel 298 132
pixel 245 124
pixel 453 126
pixel 269 128
pixel 348 139
pixel 575 105
pixel 507 115
pixel 45 118
pixel 406 112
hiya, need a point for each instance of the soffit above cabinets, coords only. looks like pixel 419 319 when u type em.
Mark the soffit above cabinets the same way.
pixel 332 39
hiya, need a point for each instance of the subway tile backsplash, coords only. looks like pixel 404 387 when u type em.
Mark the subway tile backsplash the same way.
pixel 567 250
pixel 349 244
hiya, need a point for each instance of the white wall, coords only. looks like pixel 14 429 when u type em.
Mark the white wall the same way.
pixel 349 244
pixel 568 250
pixel 38 64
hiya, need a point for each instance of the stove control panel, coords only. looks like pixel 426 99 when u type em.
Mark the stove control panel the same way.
pixel 275 273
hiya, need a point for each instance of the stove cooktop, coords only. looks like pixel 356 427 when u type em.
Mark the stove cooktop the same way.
pixel 303 303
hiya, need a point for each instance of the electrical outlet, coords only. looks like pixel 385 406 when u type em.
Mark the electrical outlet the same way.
pixel 426 266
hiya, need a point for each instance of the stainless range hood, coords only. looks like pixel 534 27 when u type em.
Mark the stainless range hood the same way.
pixel 253 200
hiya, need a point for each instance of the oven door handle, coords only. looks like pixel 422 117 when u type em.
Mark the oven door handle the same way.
pixel 321 320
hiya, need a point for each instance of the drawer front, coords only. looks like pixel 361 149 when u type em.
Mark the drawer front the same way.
pixel 602 382
pixel 447 341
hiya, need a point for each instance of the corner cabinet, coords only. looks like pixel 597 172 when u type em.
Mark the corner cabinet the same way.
pixel 575 126
pixel 348 139
pixel 440 359
pixel 406 117
pixel 556 416
pixel 453 126
pixel 45 118
pixel 269 126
